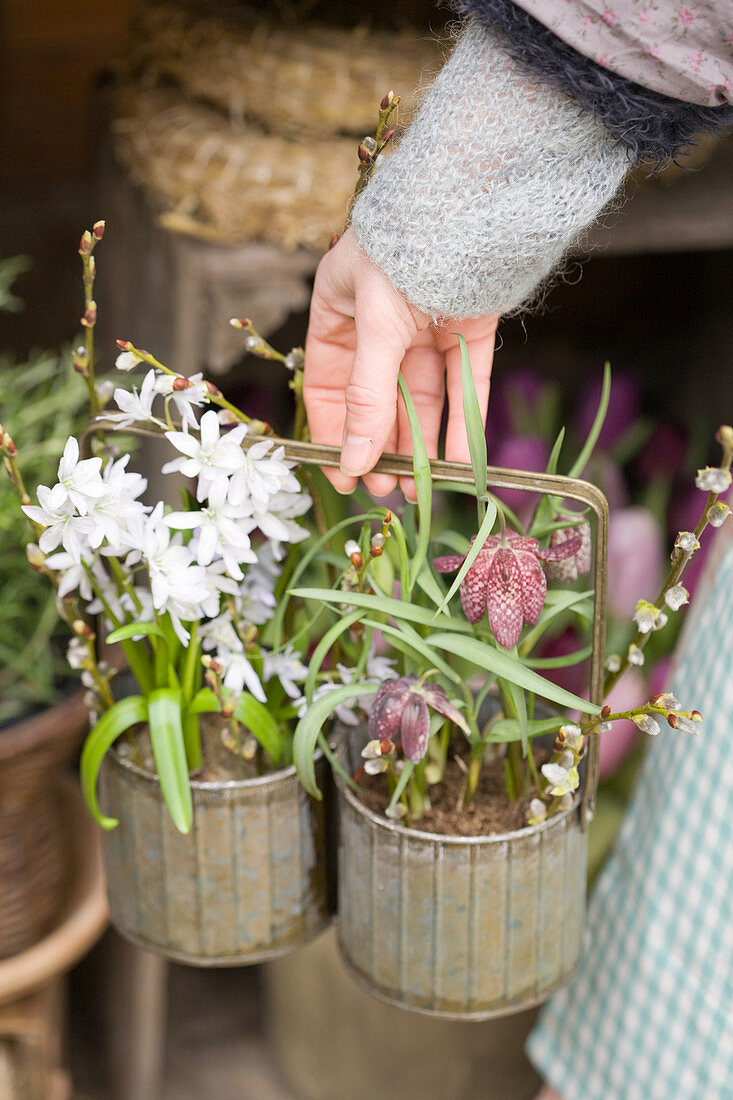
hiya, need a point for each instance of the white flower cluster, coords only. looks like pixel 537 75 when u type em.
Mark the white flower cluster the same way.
pixel 94 513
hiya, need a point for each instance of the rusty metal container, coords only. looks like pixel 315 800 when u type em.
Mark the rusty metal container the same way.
pixel 251 880
pixel 460 927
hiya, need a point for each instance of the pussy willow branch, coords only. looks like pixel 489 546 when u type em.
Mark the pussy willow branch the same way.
pixel 84 364
pixel 680 559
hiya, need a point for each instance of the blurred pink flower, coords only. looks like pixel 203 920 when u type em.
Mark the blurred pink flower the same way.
pixel 635 559
pixel 631 691
pixel 659 674
pixel 606 473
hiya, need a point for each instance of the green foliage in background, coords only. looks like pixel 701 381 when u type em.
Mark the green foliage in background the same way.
pixel 42 402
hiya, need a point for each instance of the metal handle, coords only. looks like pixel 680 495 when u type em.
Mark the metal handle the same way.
pixel 315 454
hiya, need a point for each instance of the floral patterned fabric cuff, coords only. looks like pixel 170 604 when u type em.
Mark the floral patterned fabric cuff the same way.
pixel 653 126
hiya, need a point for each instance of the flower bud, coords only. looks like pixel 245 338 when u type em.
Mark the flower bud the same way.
pixel 181 383
pixel 613 662
pixel 363 154
pixel 666 700
pixel 240 322
pixel 9 445
pixel 387 136
pixel 724 435
pixel 82 629
pixel 686 541
pixel 123 345
pixel 676 596
pixel 85 244
pixel 718 514
pixel 353 552
pixel 98 230
pixel 646 723
pixel 605 711
pixel 36 559
pixel 89 319
pixel 680 722
pixel 377 545
pixel 386 101
pixel 211 388
pixel 636 655
pixel 713 479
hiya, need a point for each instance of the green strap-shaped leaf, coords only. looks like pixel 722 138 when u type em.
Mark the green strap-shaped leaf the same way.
pixel 169 751
pixel 124 714
pixel 475 431
pixel 134 630
pixel 256 717
pixel 273 630
pixel 385 605
pixel 427 582
pixel 204 702
pixel 319 653
pixel 564 661
pixel 509 668
pixel 405 636
pixel 423 483
pixel 582 460
pixel 509 729
pixel 484 531
pixel 309 726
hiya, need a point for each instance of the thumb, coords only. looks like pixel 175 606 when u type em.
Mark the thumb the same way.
pixel 385 328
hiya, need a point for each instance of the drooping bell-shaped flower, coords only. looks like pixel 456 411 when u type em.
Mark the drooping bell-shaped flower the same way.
pixel 400 711
pixel 507 580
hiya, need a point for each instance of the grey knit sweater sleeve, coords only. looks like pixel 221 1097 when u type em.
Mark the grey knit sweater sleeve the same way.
pixel 493 181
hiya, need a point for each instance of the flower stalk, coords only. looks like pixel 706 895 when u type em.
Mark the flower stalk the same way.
pixel 717 480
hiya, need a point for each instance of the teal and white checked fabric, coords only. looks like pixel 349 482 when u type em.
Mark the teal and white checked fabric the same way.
pixel 649 1015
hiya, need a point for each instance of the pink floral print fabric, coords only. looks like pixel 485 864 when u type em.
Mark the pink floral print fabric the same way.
pixel 682 49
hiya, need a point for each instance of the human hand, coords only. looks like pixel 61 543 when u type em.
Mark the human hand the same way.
pixel 362 332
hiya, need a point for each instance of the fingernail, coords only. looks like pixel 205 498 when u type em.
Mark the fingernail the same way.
pixel 356 455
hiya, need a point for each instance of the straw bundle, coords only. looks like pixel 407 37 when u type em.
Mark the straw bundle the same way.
pixel 293 81
pixel 230 182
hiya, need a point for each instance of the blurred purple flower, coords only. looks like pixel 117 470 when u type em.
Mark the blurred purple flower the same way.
pixel 664 455
pixel 521 453
pixel 623 408
pixel 635 559
pixel 523 386
pixel 572 678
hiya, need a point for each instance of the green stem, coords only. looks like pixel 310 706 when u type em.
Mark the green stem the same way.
pixel 192 742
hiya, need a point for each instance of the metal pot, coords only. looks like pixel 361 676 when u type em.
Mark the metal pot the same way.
pixel 460 927
pixel 249 882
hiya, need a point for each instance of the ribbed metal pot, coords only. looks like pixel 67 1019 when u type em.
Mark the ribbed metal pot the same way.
pixel 460 927
pixel 249 882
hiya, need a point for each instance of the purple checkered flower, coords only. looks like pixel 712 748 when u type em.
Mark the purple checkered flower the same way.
pixel 507 580
pixel 400 710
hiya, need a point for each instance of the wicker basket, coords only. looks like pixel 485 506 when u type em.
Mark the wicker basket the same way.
pixel 33 825
pixel 227 182
pixel 295 81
